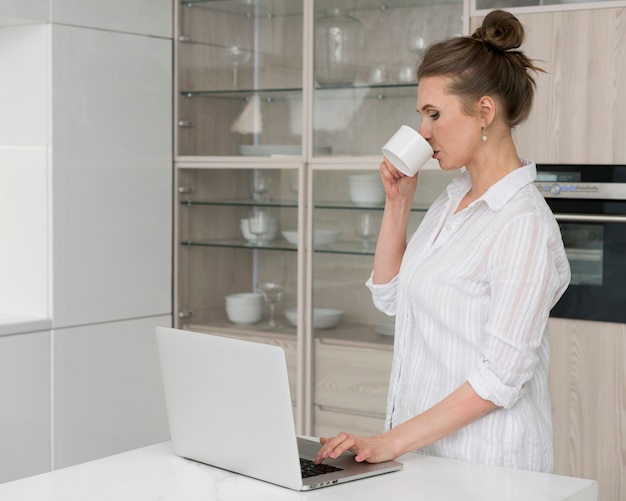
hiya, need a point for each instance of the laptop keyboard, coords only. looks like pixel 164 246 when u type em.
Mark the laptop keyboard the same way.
pixel 310 469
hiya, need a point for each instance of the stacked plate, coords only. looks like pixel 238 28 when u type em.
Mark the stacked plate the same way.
pixel 366 190
pixel 323 318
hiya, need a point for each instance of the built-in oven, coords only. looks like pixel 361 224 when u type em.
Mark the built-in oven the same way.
pixel 589 203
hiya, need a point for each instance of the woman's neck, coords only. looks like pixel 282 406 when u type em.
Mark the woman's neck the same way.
pixel 493 164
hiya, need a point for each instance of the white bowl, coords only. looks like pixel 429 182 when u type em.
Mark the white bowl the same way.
pixel 325 237
pixel 242 298
pixel 364 179
pixel 320 236
pixel 323 318
pixel 366 190
pixel 271 235
pixel 244 307
pixel 291 236
pixel 244 315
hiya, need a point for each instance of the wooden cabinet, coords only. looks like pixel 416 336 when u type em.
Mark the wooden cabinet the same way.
pixel 587 382
pixel 582 51
pixel 251 103
pixel 351 381
pixel 229 113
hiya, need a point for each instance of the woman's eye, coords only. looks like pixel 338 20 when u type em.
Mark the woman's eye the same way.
pixel 434 115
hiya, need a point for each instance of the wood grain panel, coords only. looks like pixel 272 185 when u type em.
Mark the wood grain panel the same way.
pixel 588 390
pixel 330 422
pixel 580 111
pixel 352 379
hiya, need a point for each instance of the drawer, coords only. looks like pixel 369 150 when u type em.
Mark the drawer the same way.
pixel 330 422
pixel 352 378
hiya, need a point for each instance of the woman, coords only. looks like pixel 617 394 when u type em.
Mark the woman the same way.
pixel 473 287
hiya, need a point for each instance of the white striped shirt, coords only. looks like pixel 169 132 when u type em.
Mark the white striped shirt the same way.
pixel 471 301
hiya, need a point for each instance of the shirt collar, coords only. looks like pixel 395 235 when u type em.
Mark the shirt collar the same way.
pixel 501 192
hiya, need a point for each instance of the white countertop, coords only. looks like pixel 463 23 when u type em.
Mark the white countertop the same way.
pixel 20 324
pixel 155 473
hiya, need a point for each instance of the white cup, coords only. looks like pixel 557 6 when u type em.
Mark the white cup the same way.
pixel 407 150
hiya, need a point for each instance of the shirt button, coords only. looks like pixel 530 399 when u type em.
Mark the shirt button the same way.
pixel 448 227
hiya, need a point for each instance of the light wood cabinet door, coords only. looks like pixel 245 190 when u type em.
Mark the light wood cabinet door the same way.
pixel 351 384
pixel 588 392
pixel 579 114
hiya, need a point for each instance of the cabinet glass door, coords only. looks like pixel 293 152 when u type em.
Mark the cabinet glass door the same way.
pixel 365 59
pixel 236 270
pixel 239 89
pixel 352 340
pixel 348 331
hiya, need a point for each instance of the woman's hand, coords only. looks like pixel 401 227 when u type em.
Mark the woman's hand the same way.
pixel 374 449
pixel 398 186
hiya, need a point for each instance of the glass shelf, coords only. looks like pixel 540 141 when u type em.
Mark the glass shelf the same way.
pixel 288 204
pixel 352 333
pixel 378 91
pixel 293 204
pixel 346 248
pixel 265 94
pixel 345 205
pixel 239 243
pixel 271 8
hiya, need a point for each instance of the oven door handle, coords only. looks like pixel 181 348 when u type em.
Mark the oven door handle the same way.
pixel 589 218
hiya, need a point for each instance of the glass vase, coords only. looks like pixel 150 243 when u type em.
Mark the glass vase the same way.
pixel 339 40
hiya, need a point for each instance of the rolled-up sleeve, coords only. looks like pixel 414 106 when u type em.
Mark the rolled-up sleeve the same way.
pixel 384 295
pixel 526 279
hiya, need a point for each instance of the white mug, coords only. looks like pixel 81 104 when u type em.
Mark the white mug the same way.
pixel 407 150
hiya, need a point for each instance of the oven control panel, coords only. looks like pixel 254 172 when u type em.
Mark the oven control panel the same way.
pixel 582 190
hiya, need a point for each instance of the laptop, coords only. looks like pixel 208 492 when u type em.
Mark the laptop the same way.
pixel 229 406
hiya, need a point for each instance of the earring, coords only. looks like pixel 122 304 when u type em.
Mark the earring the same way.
pixel 484 138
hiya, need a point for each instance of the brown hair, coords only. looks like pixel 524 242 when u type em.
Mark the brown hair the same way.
pixel 487 63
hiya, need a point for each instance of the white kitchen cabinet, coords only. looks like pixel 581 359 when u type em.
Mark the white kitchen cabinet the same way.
pixel 111 156
pixel 108 395
pixel 85 219
pixel 25 409
pixel 251 101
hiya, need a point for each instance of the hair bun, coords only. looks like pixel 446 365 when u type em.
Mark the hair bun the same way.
pixel 502 30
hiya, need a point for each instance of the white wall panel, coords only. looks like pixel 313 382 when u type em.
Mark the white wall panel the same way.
pixel 24 405
pixel 24 206
pixel 21 9
pixel 148 17
pixel 24 85
pixel 112 160
pixel 107 390
pixel 24 200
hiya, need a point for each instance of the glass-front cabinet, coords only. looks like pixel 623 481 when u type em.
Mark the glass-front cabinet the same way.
pixel 281 109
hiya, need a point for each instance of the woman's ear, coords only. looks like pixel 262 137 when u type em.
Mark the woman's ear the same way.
pixel 487 106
